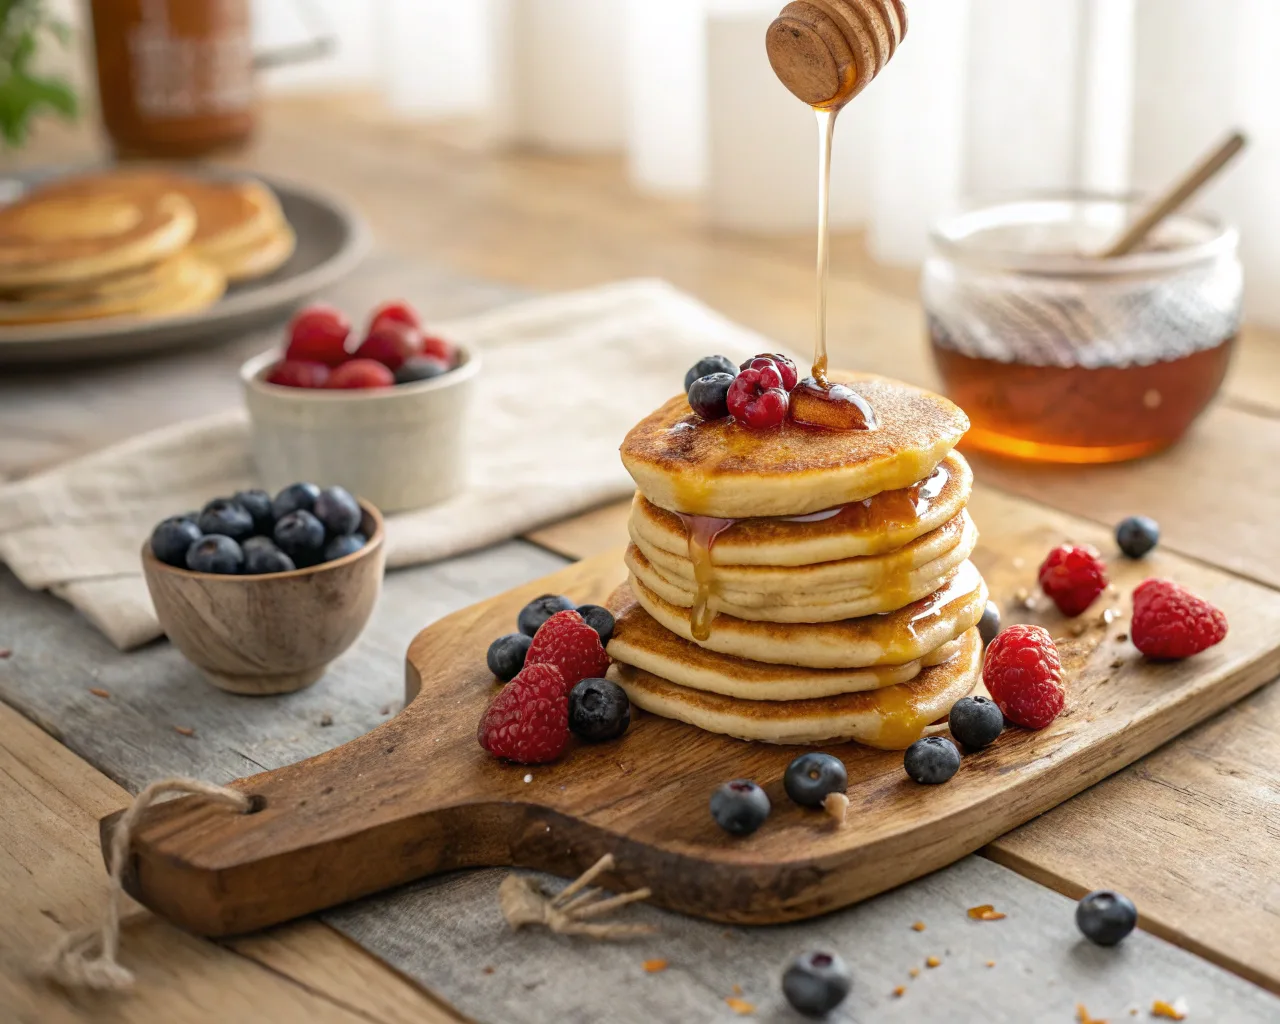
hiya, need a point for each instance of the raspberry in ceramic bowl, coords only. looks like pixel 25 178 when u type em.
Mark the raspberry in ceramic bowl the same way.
pixel 400 445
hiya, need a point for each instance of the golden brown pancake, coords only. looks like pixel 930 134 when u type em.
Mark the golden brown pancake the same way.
pixel 802 603
pixel 65 235
pixel 883 522
pixel 182 284
pixel 260 257
pixel 721 468
pixel 859 576
pixel 891 718
pixel 638 640
pixel 907 634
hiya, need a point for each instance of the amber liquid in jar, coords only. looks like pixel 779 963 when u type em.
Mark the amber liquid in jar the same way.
pixel 1080 414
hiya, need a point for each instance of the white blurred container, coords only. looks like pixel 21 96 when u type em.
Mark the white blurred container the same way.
pixel 401 447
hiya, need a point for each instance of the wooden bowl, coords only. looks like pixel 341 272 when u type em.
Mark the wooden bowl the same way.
pixel 274 633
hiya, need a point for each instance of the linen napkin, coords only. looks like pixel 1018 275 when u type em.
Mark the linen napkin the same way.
pixel 565 377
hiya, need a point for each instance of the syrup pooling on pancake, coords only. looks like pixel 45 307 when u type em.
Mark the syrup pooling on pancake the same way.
pixel 881 513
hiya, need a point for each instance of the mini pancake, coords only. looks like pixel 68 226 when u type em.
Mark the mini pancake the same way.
pixel 890 718
pixel 62 235
pixel 638 640
pixel 183 284
pixel 896 638
pixel 804 605
pixel 683 463
pixel 883 522
pixel 853 575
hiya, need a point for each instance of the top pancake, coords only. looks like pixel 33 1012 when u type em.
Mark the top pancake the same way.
pixel 720 468
pixel 61 235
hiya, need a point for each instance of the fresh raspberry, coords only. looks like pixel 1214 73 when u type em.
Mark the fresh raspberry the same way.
pixel 396 313
pixel 318 334
pixel 528 722
pixel 295 373
pixel 1024 675
pixel 567 642
pixel 786 368
pixel 391 344
pixel 1073 576
pixel 1171 622
pixel 438 348
pixel 756 402
pixel 361 373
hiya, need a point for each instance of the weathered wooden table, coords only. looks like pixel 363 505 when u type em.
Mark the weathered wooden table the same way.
pixel 1192 832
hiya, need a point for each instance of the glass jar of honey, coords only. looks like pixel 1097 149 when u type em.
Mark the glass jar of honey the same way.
pixel 1060 356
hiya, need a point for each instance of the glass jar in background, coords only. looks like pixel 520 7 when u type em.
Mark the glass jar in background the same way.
pixel 1062 357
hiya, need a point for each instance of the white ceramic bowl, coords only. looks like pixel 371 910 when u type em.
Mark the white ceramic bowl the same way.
pixel 401 447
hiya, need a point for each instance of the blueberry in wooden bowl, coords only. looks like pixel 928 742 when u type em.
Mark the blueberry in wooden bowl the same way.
pixel 272 611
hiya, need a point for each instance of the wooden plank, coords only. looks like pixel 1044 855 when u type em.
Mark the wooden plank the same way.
pixel 590 533
pixel 52 879
pixel 1189 833
pixel 456 807
pixel 1210 495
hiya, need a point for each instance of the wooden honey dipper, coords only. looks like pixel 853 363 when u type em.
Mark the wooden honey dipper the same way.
pixel 828 51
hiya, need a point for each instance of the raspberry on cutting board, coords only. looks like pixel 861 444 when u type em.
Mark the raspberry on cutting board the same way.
pixel 1073 576
pixel 1023 674
pixel 1171 622
pixel 528 722
pixel 567 642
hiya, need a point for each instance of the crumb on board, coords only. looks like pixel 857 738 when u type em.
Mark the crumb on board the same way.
pixel 740 1006
pixel 184 730
pixel 932 961
pixel 836 806
pixel 1177 1010
pixel 914 972
pixel 1082 1016
pixel 991 963
pixel 985 912
pixel 528 777
pixel 918 926
pixel 326 720
pixel 654 966
pixel 900 991
pixel 98 691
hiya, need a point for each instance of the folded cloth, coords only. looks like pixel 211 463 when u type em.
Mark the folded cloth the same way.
pixel 565 377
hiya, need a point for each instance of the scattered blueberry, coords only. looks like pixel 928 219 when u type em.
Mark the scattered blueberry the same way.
pixel 226 517
pixel 258 505
pixel 537 611
pixel 1106 917
pixel 975 722
pixel 708 365
pixel 1137 535
pixel 262 556
pixel 171 539
pixel 989 624
pixel 293 498
pixel 598 710
pixel 340 547
pixel 420 368
pixel 598 618
pixel 709 395
pixel 300 535
pixel 816 983
pixel 811 777
pixel 338 510
pixel 931 760
pixel 215 553
pixel 506 655
pixel 740 807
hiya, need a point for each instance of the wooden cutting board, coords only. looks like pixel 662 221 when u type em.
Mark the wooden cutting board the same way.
pixel 418 796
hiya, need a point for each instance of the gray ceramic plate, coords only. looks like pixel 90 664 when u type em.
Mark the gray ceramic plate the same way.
pixel 332 239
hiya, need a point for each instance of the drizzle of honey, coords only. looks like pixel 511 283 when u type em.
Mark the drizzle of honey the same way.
pixel 901 721
pixel 703 531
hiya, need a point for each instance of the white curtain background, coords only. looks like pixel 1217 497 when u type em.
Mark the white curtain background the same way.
pixel 985 96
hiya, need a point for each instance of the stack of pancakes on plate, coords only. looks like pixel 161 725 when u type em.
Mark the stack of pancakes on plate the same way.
pixel 800 584
pixel 143 243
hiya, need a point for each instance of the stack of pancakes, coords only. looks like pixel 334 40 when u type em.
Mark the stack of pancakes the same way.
pixel 143 243
pixel 801 585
